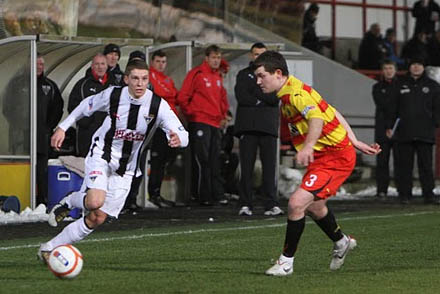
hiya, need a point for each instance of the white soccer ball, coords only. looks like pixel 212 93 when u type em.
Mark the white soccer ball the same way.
pixel 65 262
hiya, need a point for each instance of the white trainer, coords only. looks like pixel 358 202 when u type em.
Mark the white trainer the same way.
pixel 245 210
pixel 283 267
pixel 274 211
pixel 339 253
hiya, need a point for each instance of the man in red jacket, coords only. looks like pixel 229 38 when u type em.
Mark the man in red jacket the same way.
pixel 204 103
pixel 161 153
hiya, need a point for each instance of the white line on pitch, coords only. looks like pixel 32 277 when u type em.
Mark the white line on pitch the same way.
pixel 219 230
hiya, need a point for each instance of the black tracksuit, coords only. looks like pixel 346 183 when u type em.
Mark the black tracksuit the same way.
pixel 383 92
pixel 116 76
pixel 423 16
pixel 87 126
pixel 417 105
pixel 49 112
pixel 256 125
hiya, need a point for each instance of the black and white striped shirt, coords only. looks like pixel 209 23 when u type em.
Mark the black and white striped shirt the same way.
pixel 122 133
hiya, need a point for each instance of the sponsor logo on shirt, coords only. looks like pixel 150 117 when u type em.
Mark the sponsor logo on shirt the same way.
pixel 293 129
pixel 92 90
pixel 307 109
pixel 90 103
pixel 425 90
pixel 128 135
pixel 95 172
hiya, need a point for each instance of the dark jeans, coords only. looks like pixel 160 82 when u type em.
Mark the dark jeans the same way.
pixel 205 146
pixel 249 143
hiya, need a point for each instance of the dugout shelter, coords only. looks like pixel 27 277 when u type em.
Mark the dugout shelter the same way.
pixel 66 61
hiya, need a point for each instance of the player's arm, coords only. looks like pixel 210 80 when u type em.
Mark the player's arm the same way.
pixel 98 102
pixel 361 146
pixel 171 125
pixel 305 155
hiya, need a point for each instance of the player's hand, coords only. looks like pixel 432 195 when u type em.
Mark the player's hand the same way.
pixel 372 149
pixel 174 140
pixel 57 139
pixel 305 156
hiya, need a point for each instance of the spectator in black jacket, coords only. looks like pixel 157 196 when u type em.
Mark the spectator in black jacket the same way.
pixel 256 125
pixel 417 107
pixel 112 53
pixel 383 92
pixel 416 48
pixel 49 112
pixel 309 38
pixel 372 50
pixel 426 13
pixel 97 79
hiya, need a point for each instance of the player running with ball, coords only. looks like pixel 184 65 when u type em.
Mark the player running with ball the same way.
pixel 112 160
pixel 325 144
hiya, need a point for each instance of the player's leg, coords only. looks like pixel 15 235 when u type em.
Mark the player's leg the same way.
pixel 330 172
pixel 80 228
pixel 297 206
pixel 326 220
pixel 96 177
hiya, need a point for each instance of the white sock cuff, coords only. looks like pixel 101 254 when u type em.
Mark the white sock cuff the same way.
pixel 342 241
pixel 286 259
pixel 76 200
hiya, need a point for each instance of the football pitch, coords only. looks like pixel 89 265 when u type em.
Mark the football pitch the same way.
pixel 398 252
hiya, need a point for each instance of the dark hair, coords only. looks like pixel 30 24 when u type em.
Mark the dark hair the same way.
pixel 136 55
pixel 212 48
pixel 389 32
pixel 271 61
pixel 313 7
pixel 135 64
pixel 158 53
pixel 388 62
pixel 258 45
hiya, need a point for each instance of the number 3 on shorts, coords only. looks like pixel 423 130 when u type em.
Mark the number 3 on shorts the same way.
pixel 311 181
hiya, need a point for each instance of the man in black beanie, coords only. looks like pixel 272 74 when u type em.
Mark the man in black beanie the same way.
pixel 113 54
pixel 415 114
pixel 139 55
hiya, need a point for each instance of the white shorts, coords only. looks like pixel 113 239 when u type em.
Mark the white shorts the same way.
pixel 98 175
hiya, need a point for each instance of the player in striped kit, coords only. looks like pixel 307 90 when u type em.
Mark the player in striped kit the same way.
pixel 113 157
pixel 325 144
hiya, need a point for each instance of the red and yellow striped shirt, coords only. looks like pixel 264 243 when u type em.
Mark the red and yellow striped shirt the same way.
pixel 300 103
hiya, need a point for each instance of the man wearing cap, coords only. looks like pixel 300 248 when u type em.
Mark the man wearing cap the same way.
pixel 113 54
pixel 415 113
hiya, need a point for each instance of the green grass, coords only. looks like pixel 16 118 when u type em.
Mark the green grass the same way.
pixel 398 252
